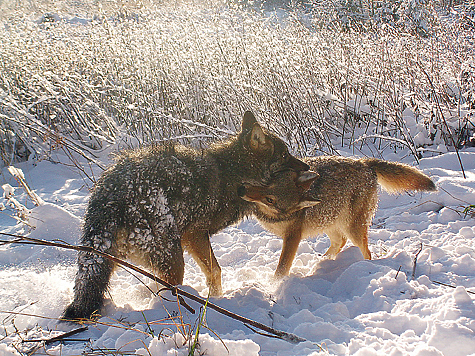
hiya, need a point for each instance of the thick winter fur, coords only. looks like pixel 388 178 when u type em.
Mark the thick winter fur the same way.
pixel 157 201
pixel 343 199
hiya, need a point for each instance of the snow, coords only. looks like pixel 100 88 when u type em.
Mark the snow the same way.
pixel 346 306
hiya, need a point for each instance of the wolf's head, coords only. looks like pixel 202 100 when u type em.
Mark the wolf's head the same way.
pixel 266 150
pixel 284 195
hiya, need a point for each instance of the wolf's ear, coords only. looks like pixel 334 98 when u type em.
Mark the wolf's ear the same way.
pixel 305 180
pixel 259 142
pixel 248 121
pixel 254 137
pixel 308 202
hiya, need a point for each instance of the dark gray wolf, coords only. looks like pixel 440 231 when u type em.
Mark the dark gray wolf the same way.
pixel 338 199
pixel 157 201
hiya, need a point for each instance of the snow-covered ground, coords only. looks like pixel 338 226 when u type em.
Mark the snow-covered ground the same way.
pixel 346 306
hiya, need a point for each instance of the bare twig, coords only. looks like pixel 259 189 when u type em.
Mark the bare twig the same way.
pixel 448 285
pixel 443 119
pixel 389 138
pixel 415 262
pixel 397 273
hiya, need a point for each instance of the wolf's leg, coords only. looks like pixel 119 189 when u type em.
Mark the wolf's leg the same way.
pixel 289 250
pixel 156 243
pixel 197 243
pixel 166 258
pixel 92 280
pixel 361 214
pixel 337 241
pixel 359 236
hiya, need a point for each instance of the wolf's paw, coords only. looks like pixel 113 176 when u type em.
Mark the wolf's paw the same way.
pixel 280 274
pixel 330 255
pixel 74 313
pixel 215 291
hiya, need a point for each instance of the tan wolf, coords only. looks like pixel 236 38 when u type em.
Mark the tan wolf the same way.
pixel 157 201
pixel 338 199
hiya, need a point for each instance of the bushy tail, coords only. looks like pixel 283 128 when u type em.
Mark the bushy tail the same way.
pixel 397 177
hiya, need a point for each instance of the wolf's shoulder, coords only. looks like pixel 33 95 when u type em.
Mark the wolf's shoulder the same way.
pixel 157 150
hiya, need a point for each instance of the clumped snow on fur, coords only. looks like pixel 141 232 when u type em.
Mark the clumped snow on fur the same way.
pixel 347 305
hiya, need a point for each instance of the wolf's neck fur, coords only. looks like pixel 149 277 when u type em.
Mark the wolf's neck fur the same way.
pixel 232 160
pixel 234 168
pixel 272 220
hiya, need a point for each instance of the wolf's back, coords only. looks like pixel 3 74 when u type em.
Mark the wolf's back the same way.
pixel 397 177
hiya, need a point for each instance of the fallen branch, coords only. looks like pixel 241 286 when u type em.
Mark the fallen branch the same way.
pixel 279 334
pixel 60 337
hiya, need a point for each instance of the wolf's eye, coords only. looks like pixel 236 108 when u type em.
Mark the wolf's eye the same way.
pixel 270 200
pixel 285 155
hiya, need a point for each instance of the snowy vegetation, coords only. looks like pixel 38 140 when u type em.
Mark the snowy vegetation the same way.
pixel 321 75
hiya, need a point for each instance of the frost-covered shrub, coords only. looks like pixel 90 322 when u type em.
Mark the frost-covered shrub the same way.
pixel 17 210
pixel 416 16
pixel 187 74
pixel 352 14
pixel 412 16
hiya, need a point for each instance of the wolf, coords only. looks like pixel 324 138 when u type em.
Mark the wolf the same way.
pixel 155 202
pixel 338 197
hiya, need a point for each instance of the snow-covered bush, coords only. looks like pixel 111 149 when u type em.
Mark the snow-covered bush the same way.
pixel 416 16
pixel 188 73
pixel 16 209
